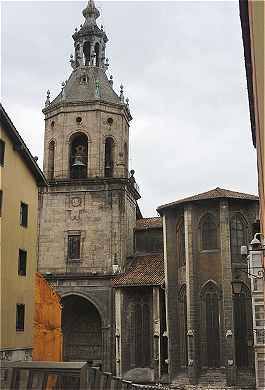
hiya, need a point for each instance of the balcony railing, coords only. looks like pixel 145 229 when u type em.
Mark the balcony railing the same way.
pixel 65 375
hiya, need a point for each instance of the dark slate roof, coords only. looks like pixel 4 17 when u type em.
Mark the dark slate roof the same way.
pixel 148 223
pixel 216 193
pixel 145 270
pixel 21 147
pixel 76 91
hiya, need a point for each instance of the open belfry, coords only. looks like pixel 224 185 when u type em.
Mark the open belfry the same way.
pixel 88 211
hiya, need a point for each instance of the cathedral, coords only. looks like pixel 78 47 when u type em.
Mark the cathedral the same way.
pixel 148 294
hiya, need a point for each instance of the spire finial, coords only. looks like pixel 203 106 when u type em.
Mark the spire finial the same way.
pixel 47 103
pixel 121 94
pixel 91 13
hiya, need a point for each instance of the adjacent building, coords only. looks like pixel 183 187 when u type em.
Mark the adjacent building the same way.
pixel 20 182
pixel 252 14
pixel 140 316
pixel 209 326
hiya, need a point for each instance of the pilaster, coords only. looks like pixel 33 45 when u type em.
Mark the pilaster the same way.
pixel 118 331
pixel 171 278
pixel 192 293
pixel 156 333
pixel 229 344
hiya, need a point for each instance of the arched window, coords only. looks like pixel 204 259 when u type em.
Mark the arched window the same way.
pixel 181 244
pixel 97 53
pixel 109 163
pixel 210 334
pixel 51 160
pixel 208 233
pixel 87 53
pixel 243 327
pixel 237 236
pixel 126 157
pixel 78 156
pixel 183 345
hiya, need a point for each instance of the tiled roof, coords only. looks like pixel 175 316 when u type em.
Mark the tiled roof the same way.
pixel 212 194
pixel 75 91
pixel 148 223
pixel 146 270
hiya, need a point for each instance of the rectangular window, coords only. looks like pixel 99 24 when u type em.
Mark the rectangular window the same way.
pixel 20 317
pixel 22 262
pixel 23 214
pixel 74 247
pixel 2 152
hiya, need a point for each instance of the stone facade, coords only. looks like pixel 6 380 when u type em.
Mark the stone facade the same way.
pixel 88 211
pixel 218 323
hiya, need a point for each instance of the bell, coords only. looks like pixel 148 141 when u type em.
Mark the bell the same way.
pixel 78 162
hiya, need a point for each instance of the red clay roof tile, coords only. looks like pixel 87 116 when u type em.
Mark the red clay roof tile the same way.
pixel 146 270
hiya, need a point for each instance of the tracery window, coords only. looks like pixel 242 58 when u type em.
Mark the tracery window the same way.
pixel 238 235
pixel 243 327
pixel 208 233
pixel 210 333
pixel 183 345
pixel 181 244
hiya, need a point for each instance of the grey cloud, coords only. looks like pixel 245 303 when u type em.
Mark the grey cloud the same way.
pixel 183 70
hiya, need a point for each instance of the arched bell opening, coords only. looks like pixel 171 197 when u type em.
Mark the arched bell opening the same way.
pixel 97 53
pixel 82 330
pixel 126 158
pixel 109 157
pixel 78 156
pixel 51 160
pixel 87 52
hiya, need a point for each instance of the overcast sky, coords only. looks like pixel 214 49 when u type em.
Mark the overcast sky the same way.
pixel 182 67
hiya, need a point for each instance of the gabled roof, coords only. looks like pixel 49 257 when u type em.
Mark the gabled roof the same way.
pixel 21 147
pixel 145 270
pixel 216 193
pixel 148 223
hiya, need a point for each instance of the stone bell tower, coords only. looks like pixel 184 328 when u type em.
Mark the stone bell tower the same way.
pixel 88 211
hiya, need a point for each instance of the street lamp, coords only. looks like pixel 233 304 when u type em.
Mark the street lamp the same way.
pixel 236 286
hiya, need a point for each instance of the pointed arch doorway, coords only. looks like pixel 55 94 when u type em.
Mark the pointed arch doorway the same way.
pixel 82 330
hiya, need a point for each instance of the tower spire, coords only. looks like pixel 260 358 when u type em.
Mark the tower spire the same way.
pixel 90 40
pixel 91 13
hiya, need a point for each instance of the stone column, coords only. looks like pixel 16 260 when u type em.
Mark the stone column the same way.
pixel 156 333
pixel 171 278
pixel 118 331
pixel 192 294
pixel 229 346
pixel 106 345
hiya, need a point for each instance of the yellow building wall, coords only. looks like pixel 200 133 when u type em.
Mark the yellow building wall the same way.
pixel 257 37
pixel 17 184
pixel 47 338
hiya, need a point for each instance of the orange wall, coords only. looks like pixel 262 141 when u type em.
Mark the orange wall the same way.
pixel 47 334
